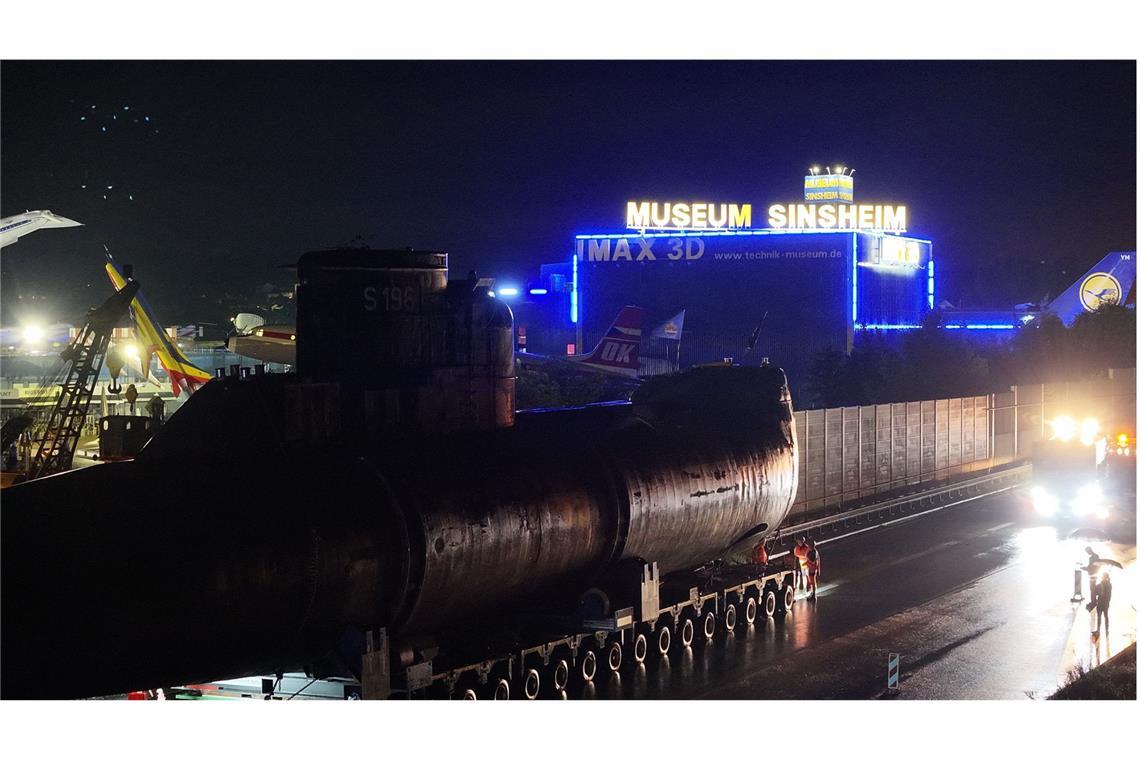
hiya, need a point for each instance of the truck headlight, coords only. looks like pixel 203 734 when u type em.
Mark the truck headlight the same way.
pixel 1089 499
pixel 1044 502
pixel 1090 430
pixel 1064 427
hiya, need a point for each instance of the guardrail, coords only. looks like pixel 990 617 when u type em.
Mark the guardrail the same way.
pixel 943 494
pixel 851 454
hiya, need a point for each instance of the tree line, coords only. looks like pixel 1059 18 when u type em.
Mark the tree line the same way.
pixel 932 362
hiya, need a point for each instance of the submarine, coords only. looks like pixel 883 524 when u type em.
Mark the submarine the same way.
pixel 388 483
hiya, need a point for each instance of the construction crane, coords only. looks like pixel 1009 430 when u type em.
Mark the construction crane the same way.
pixel 55 447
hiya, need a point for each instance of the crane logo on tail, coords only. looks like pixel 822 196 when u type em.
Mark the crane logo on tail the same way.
pixel 1098 289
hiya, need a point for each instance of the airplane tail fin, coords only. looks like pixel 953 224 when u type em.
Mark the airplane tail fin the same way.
pixel 1106 283
pixel 184 375
pixel 619 349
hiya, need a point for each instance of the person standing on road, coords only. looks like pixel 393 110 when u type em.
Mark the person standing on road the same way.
pixel 800 551
pixel 1103 600
pixel 812 568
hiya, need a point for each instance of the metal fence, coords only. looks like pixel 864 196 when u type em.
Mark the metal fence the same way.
pixel 851 454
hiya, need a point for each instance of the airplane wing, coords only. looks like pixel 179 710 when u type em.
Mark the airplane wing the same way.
pixel 12 228
pixel 184 375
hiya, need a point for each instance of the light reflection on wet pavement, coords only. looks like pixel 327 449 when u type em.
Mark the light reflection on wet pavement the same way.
pixel 975 599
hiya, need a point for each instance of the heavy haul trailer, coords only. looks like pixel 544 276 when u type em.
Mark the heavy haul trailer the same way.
pixel 670 615
pixel 387 485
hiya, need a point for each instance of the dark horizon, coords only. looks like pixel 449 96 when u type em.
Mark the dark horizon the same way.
pixel 1022 173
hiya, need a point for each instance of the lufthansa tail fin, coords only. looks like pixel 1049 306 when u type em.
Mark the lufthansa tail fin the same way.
pixel 184 375
pixel 1106 283
pixel 619 349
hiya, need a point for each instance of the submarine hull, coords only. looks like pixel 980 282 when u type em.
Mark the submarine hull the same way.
pixel 178 568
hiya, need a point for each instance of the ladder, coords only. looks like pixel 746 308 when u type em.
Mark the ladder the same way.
pixel 55 448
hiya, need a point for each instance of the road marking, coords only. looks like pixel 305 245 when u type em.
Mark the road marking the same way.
pixel 996 528
pixel 923 513
pixel 923 553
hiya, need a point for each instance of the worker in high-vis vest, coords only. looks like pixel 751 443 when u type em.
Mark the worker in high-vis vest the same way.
pixel 760 554
pixel 800 551
pixel 812 568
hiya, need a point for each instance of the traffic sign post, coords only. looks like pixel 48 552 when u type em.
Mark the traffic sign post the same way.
pixel 892 673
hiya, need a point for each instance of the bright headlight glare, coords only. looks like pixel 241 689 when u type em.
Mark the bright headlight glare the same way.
pixel 1091 492
pixel 1043 501
pixel 1089 499
pixel 1064 427
pixel 1090 429
pixel 33 333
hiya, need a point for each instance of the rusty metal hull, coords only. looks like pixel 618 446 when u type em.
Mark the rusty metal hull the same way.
pixel 112 580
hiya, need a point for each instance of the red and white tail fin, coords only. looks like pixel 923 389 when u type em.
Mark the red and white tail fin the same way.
pixel 618 350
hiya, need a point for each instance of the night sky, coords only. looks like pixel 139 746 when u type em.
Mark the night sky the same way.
pixel 1023 174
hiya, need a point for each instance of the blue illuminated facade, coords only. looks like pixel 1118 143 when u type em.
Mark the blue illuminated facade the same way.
pixel 806 290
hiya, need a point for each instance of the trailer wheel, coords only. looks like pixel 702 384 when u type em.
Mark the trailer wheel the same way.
pixel 502 689
pixel 751 610
pixel 789 598
pixel 469 694
pixel 710 626
pixel 613 656
pixel 640 648
pixel 589 666
pixel 770 602
pixel 531 684
pixel 687 632
pixel 730 617
pixel 561 675
pixel 664 640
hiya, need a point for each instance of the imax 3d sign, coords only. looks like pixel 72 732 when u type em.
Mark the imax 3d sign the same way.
pixel 830 216
pixel 650 215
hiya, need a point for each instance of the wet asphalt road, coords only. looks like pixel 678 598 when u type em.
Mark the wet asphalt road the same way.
pixel 974 598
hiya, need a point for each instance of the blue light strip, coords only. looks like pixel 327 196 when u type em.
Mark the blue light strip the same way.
pixel 725 233
pixel 538 291
pixel 973 326
pixel 970 326
pixel 930 283
pixel 574 291
pixel 888 327
pixel 855 278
